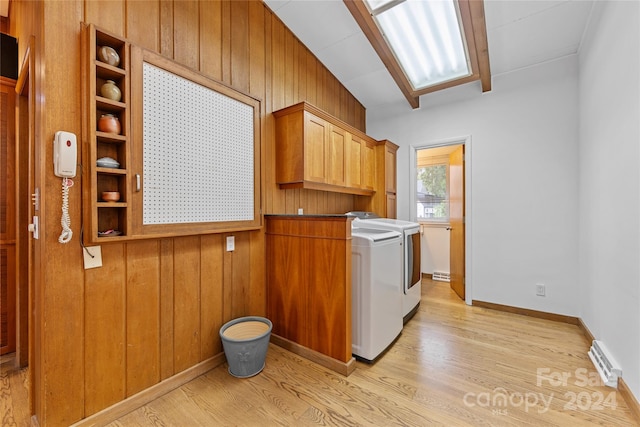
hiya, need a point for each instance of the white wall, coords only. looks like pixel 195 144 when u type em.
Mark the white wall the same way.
pixel 524 179
pixel 434 245
pixel 609 161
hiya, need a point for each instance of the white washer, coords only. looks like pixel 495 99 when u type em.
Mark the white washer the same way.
pixel 376 298
pixel 411 276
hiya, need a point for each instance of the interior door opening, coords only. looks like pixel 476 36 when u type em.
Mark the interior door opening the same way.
pixel 439 200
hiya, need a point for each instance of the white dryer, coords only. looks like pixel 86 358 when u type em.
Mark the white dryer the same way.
pixel 411 275
pixel 376 294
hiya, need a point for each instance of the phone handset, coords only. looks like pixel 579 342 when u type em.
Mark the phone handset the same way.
pixel 65 152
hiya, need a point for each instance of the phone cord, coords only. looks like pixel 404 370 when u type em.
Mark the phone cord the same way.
pixel 65 221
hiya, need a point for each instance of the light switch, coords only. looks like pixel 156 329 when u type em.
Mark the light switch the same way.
pixel 92 256
pixel 231 243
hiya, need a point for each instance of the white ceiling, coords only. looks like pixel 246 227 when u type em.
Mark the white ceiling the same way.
pixel 520 33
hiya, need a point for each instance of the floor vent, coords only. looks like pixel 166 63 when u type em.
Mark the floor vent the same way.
pixel 606 366
pixel 441 276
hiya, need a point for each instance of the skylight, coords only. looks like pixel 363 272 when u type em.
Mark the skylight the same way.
pixel 426 38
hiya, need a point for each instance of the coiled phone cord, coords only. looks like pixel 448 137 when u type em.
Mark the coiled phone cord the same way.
pixel 65 221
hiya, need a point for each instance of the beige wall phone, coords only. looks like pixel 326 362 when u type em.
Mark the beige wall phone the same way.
pixel 65 152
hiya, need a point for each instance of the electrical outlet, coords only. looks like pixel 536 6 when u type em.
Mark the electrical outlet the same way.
pixel 231 243
pixel 300 211
pixel 540 289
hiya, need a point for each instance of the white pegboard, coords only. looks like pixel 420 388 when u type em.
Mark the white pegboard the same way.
pixel 197 152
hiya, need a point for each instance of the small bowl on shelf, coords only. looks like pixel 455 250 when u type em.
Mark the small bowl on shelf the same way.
pixel 107 162
pixel 110 196
pixel 109 233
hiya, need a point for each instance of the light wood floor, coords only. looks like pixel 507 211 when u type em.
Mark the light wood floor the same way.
pixel 453 365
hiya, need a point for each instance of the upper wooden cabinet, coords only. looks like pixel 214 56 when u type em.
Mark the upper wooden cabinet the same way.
pixel 317 151
pixel 383 202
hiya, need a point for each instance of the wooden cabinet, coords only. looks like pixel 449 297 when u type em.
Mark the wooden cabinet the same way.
pixel 309 286
pixel 383 203
pixel 320 152
pixel 105 221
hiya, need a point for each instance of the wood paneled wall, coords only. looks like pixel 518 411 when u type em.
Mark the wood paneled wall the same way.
pixel 155 307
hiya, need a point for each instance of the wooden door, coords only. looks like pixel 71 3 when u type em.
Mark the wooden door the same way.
pixel 8 218
pixel 456 219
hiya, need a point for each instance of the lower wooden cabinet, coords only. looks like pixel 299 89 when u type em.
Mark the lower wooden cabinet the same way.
pixel 309 282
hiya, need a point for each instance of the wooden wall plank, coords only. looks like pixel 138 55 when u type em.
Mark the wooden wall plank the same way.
pixel 302 72
pixel 257 296
pixel 311 78
pixel 166 309
pixel 257 51
pixel 241 275
pixel 143 22
pixel 289 74
pixel 186 314
pixel 211 39
pixel 107 14
pixel 104 332
pixel 211 284
pixel 58 267
pixel 166 28
pixel 226 40
pixel 240 45
pixel 227 280
pixel 186 24
pixel 143 315
pixel 278 64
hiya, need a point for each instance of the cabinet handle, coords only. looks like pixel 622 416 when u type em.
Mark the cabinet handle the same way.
pixel 138 182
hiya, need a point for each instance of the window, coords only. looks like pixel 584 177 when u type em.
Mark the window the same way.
pixel 432 198
pixel 426 38
pixel 433 181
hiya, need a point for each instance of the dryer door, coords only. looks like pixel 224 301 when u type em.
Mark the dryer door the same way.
pixel 413 272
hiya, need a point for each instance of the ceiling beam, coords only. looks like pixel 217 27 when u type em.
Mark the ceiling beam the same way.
pixel 361 14
pixel 479 24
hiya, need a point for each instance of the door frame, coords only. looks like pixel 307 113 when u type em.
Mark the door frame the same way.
pixel 460 140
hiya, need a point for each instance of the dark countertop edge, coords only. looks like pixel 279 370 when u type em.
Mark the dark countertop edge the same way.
pixel 309 216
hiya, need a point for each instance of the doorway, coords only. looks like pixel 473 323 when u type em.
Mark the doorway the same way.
pixel 441 204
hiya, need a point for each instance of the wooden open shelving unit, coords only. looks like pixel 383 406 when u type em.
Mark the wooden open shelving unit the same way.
pixel 101 216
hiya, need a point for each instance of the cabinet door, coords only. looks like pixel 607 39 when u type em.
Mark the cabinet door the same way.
pixel 354 162
pixel 390 169
pixel 336 149
pixel 287 289
pixel 315 154
pixel 391 205
pixel 368 165
pixel 329 297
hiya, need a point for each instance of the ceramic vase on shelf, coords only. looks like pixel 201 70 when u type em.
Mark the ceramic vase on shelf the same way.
pixel 108 55
pixel 111 91
pixel 109 123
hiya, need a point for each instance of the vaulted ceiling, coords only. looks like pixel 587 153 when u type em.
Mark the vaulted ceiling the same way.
pixel 520 34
